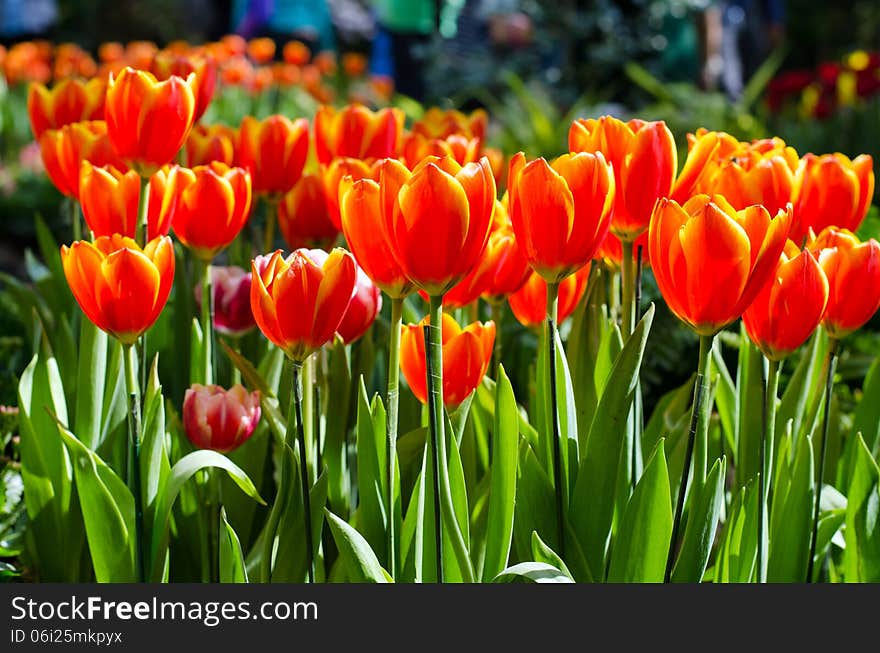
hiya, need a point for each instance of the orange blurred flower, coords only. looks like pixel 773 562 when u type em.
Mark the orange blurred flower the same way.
pixel 853 271
pixel 121 288
pixel 303 216
pixel 416 147
pixel 296 53
pixel 299 303
pixel 325 62
pixel 261 50
pixel 63 151
pixel 644 160
pixel 529 303
pixel 439 123
pixel 111 51
pixel 72 61
pixel 436 218
pixel 333 174
pixel 710 261
pixel 560 211
pixel 234 45
pixel 210 143
pixel 27 61
pixel 354 64
pixel 139 54
pixel 788 309
pixel 466 356
pixel 167 63
pixel 362 225
pixel 355 131
pixel 147 120
pixel 831 190
pixel 274 150
pixel 109 200
pixel 68 101
pixel 236 71
pixel 207 206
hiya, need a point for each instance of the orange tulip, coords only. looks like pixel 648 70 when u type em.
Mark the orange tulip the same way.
pixel 210 143
pixel 354 64
pixel 109 200
pixel 710 261
pixel 529 302
pixel 466 356
pixel 299 303
pixel 760 172
pixel 332 176
pixel 140 54
pixel 121 288
pixel 437 123
pixel 853 271
pixel 357 132
pixel 560 212
pixel 416 147
pixel 167 63
pixel 501 270
pixel 147 120
pixel 274 150
pixel 788 309
pixel 111 51
pixel 219 419
pixel 207 206
pixel 362 225
pixel 237 71
pixel 69 101
pixel 303 215
pixel 831 190
pixel 644 160
pixel 63 151
pixel 296 53
pixel 610 252
pixel 436 218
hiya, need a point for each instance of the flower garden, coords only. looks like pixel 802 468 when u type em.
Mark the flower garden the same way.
pixel 286 330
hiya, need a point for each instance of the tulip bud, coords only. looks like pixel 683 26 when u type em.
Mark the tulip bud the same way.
pixel 218 419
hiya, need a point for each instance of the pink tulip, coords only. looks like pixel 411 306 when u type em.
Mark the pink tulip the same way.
pixel 219 419
pixel 232 300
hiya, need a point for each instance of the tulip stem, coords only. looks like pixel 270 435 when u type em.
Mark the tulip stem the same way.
pixel 271 219
pixel 134 456
pixel 213 506
pixel 700 406
pixel 207 325
pixel 628 289
pixel 75 222
pixel 496 349
pixel 434 368
pixel 391 428
pixel 303 467
pixel 309 424
pixel 770 372
pixel 826 416
pixel 553 413
pixel 143 207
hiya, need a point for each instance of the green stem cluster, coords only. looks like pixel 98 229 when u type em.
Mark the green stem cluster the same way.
pixel 391 428
pixel 770 372
pixel 553 413
pixel 134 455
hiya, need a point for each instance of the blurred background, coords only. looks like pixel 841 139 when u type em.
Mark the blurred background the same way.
pixel 805 71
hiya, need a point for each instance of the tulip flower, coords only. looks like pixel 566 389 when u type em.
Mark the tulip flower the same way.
pixel 296 53
pixel 529 302
pixel 109 200
pixel 361 223
pixel 148 120
pixel 261 50
pixel 68 101
pixel 207 206
pixel 355 131
pixel 274 150
pixel 210 143
pixel 788 309
pixel 466 356
pixel 439 123
pixel 231 286
pixel 560 212
pixel 333 175
pixel 120 287
pixel 366 302
pixel 831 190
pixel 63 151
pixel 853 271
pixel 166 64
pixel 218 419
pixel 299 303
pixel 441 208
pixel 610 252
pixel 303 216
pixel 416 147
pixel 711 261
pixel 644 159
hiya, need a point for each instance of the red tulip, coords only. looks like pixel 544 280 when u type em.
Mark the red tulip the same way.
pixel 303 215
pixel 529 303
pixel 68 101
pixel 63 151
pixel 109 200
pixel 218 419
pixel 355 131
pixel 231 286
pixel 366 302
pixel 274 150
pixel 207 144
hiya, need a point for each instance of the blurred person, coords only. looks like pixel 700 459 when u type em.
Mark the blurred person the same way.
pixel 25 20
pixel 404 30
pixel 308 21
pixel 751 30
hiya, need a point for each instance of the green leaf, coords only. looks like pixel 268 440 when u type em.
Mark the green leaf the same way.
pixel 91 375
pixel 336 400
pixel 642 544
pixel 502 496
pixel 699 535
pixel 543 553
pixel 592 504
pixel 108 514
pixel 535 508
pixel 725 397
pixel 749 407
pixel 154 461
pixel 268 399
pixel 801 391
pixel 790 546
pixel 232 567
pixel 371 456
pixel 735 561
pixel 866 419
pixel 533 572
pixel 862 554
pixel 361 563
